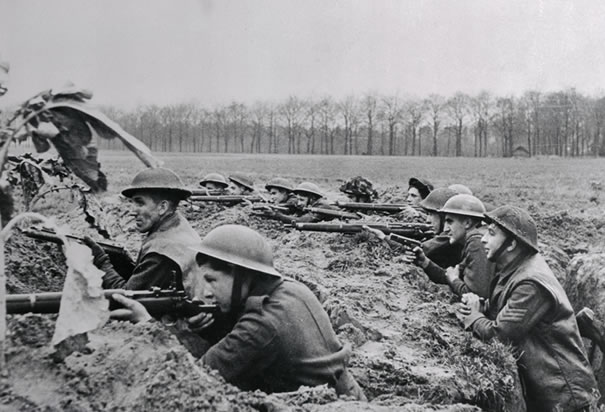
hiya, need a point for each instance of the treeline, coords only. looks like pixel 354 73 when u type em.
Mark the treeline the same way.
pixel 563 123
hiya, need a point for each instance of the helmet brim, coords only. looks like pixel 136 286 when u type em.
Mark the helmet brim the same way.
pixel 245 263
pixel 491 219
pixel 130 191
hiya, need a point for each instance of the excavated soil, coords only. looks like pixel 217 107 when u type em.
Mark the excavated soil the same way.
pixel 409 350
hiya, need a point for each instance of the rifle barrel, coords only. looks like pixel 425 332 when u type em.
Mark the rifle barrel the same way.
pixel 405 229
pixel 157 302
pixel 379 207
pixel 226 199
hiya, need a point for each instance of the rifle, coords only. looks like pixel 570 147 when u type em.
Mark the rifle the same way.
pixel 412 230
pixel 119 258
pixel 376 207
pixel 332 213
pixel 206 192
pixel 265 206
pixel 228 198
pixel 158 302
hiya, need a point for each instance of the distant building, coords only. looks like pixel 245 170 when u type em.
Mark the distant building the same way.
pixel 520 151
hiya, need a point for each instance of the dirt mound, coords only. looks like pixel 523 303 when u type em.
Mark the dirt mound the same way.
pixel 409 350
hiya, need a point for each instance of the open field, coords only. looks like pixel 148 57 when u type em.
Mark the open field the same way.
pixel 409 351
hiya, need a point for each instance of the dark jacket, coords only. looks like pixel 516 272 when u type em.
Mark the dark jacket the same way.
pixel 529 309
pixel 163 259
pixel 441 252
pixel 476 272
pixel 282 340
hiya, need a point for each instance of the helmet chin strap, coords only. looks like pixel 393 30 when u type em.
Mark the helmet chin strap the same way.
pixel 500 250
pixel 236 292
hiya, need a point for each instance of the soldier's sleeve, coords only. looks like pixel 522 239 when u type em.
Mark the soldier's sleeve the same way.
pixel 476 271
pixel 435 273
pixel 153 270
pixel 527 305
pixel 245 352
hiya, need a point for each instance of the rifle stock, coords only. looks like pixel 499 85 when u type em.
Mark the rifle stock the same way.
pixel 205 192
pixel 411 230
pixel 157 302
pixel 119 258
pixel 264 206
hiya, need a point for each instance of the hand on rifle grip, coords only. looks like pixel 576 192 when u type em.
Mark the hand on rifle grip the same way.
pixel 200 322
pixel 379 233
pixel 420 258
pixel 132 310
pixel 98 253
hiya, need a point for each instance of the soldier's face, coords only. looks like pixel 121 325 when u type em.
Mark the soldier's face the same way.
pixel 217 286
pixel 303 201
pixel 434 219
pixel 413 196
pixel 455 227
pixel 146 211
pixel 278 195
pixel 493 241
pixel 212 186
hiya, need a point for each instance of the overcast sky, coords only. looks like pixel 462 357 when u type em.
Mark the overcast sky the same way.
pixel 152 51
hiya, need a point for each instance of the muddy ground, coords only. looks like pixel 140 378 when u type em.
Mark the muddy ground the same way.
pixel 409 350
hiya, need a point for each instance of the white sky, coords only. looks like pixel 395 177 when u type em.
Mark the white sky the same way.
pixel 152 51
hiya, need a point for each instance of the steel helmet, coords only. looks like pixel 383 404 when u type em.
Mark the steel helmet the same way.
pixel 359 186
pixel 465 205
pixel 424 186
pixel 517 222
pixel 460 189
pixel 279 183
pixel 306 188
pixel 217 178
pixel 242 180
pixel 437 198
pixel 240 246
pixel 159 179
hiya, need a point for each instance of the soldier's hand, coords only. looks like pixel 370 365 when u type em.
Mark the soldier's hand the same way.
pixel 132 310
pixel 200 322
pixel 379 233
pixel 471 302
pixel 452 273
pixel 420 258
pixel 97 251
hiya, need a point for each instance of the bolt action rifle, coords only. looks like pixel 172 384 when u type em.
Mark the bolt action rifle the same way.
pixel 419 231
pixel 118 256
pixel 373 207
pixel 206 192
pixel 158 302
pixel 264 206
pixel 229 199
pixel 332 213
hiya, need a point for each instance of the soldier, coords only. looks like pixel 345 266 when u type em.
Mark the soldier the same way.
pixel 242 185
pixel 282 338
pixel 165 255
pixel 418 190
pixel 462 216
pixel 281 195
pixel 529 309
pixel 215 183
pixel 359 189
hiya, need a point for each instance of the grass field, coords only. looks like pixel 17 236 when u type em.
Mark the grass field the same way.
pixel 553 183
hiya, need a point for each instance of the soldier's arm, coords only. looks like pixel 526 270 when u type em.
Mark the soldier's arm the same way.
pixel 527 305
pixel 476 271
pixel 245 352
pixel 153 270
pixel 435 273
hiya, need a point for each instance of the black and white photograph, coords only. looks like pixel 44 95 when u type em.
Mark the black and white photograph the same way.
pixel 302 206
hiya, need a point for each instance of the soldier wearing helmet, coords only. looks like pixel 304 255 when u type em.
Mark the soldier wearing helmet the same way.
pixel 165 255
pixel 241 185
pixel 418 190
pixel 308 196
pixel 359 189
pixel 282 338
pixel 215 183
pixel 529 309
pixel 462 224
pixel 281 196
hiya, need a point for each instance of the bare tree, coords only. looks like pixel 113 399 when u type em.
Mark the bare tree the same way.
pixel 458 110
pixel 391 110
pixel 435 105
pixel 480 106
pixel 369 108
pixel 291 112
pixel 349 110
